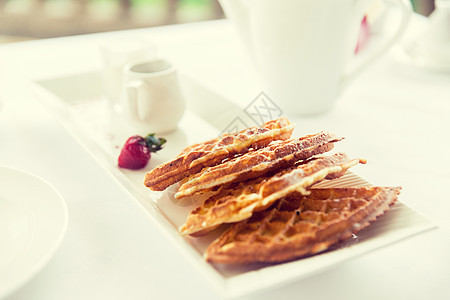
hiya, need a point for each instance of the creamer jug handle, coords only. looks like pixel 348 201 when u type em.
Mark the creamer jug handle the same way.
pixel 132 93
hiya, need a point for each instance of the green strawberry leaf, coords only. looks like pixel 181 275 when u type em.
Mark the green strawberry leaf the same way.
pixel 154 144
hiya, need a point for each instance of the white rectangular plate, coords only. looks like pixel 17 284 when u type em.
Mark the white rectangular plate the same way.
pixel 77 102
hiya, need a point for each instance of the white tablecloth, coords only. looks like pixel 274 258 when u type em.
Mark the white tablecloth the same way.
pixel 395 116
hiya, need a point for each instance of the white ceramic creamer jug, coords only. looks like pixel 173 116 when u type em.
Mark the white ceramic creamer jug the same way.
pixel 152 99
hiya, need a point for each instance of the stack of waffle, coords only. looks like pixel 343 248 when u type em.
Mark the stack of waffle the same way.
pixel 260 180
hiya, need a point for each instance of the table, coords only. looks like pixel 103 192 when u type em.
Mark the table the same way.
pixel 395 116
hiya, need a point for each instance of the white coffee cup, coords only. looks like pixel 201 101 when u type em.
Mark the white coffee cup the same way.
pixel 152 99
pixel 302 49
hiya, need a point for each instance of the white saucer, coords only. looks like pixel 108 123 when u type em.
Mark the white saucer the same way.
pixel 33 221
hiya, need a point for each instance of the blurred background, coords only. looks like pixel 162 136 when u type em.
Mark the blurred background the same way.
pixel 32 19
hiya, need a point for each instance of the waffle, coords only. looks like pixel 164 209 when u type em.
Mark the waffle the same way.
pixel 210 153
pixel 298 225
pixel 276 156
pixel 237 202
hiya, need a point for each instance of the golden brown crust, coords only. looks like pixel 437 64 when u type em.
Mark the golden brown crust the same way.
pixel 262 183
pixel 301 225
pixel 237 202
pixel 276 156
pixel 210 153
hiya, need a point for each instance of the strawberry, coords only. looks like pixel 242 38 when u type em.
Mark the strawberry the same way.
pixel 136 151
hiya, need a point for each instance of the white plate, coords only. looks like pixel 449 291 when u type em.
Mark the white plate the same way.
pixel 33 220
pixel 77 102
